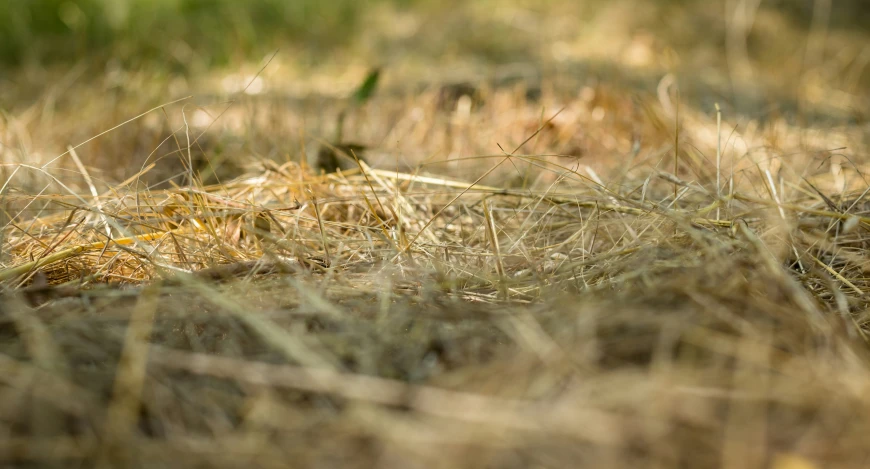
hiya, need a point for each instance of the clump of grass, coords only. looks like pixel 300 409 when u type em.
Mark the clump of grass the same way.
pixel 588 314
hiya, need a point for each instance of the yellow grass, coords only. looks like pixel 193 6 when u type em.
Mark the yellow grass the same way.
pixel 565 271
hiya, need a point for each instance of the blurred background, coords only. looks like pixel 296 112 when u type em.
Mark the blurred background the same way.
pixel 72 69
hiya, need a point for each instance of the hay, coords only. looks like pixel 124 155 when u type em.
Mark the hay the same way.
pixel 384 318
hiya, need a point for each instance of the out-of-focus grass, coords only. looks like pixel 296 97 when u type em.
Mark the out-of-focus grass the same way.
pixel 185 32
pixel 784 36
pixel 212 32
pixel 798 60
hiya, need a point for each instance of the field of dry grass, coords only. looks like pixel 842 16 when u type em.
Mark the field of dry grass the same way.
pixel 608 235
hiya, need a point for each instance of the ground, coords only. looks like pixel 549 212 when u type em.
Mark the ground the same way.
pixel 576 234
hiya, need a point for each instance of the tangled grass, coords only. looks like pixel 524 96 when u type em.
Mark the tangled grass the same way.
pixel 704 311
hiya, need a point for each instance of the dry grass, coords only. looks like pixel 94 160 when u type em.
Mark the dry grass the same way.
pixel 536 313
pixel 559 272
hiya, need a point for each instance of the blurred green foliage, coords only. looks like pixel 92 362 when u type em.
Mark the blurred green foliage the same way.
pixel 208 32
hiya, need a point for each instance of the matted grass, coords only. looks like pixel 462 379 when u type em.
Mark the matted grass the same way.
pixel 384 318
pixel 561 265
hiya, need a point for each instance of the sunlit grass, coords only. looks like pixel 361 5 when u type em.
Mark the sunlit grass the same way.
pixel 553 251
